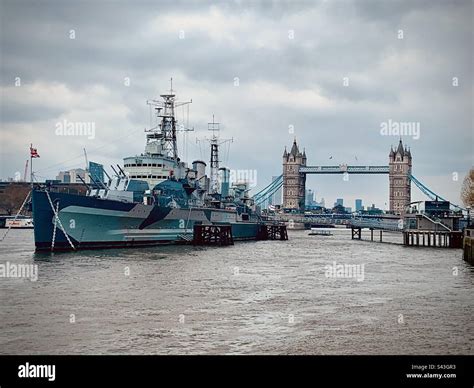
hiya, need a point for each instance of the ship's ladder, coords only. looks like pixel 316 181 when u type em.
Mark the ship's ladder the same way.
pixel 57 221
pixel 17 214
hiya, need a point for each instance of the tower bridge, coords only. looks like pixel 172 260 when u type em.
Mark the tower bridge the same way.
pixel 295 169
pixel 417 227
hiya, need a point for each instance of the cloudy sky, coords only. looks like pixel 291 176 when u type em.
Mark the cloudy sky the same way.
pixel 328 72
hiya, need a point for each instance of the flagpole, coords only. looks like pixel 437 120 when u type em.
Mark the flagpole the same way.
pixel 31 166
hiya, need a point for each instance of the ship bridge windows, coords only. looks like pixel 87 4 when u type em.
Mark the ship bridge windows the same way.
pixel 144 165
pixel 148 177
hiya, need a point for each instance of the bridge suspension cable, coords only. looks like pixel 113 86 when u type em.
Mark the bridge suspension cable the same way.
pixel 269 190
pixel 265 198
pixel 430 193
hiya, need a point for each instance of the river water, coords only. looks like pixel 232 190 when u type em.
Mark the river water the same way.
pixel 267 297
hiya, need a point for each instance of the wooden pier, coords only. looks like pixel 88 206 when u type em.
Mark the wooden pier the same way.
pixel 419 229
pixel 213 235
pixel 356 233
pixel 272 232
pixel 468 245
pixel 222 234
pixel 436 239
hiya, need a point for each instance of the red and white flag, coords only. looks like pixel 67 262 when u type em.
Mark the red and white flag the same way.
pixel 34 152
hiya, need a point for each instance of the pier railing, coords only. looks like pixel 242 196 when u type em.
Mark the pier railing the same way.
pixel 304 219
pixel 393 225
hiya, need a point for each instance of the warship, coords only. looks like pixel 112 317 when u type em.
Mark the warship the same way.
pixel 155 198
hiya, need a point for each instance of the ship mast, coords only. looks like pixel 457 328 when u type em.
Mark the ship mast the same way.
pixel 214 162
pixel 214 156
pixel 166 130
pixel 168 124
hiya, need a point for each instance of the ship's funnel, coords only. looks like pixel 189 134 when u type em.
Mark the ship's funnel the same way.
pixel 200 168
pixel 224 174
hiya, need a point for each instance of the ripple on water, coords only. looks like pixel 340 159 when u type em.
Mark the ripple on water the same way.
pixel 266 297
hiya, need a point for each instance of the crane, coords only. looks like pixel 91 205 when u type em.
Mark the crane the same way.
pixel 26 170
pixel 87 162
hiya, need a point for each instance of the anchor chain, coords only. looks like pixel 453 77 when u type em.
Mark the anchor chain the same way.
pixel 57 220
pixel 54 228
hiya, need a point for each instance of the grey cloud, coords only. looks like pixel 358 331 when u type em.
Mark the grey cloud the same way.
pixel 25 113
pixel 407 79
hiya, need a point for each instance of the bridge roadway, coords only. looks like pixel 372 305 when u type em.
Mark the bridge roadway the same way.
pixel 343 168
pixel 389 223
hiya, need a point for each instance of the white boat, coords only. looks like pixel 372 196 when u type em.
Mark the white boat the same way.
pixel 19 223
pixel 319 232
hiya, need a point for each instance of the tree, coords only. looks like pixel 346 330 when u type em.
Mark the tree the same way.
pixel 12 198
pixel 467 189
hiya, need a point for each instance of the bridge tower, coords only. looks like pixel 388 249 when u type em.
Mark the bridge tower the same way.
pixel 399 178
pixel 294 182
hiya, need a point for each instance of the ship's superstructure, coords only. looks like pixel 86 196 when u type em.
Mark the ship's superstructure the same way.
pixel 160 159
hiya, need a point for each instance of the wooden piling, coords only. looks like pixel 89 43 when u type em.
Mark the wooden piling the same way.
pixel 356 233
pixel 213 235
pixel 272 232
pixel 468 245
pixel 433 239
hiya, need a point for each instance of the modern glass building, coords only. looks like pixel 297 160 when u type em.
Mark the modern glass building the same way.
pixel 96 171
